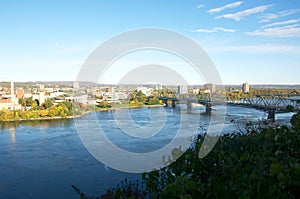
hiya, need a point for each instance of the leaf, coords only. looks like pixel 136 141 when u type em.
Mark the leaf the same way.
pixel 275 168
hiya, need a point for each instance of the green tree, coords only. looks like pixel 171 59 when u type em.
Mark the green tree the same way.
pixel 47 104
pixel 295 121
pixel 140 96
pixel 153 101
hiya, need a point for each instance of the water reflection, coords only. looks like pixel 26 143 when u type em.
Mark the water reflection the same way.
pixel 36 123
pixel 13 136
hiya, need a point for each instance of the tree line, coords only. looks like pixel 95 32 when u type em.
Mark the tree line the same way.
pixel 46 110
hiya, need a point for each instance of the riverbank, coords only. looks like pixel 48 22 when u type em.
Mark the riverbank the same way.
pixel 83 114
pixel 131 107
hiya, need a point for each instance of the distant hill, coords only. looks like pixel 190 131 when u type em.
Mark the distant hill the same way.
pixel 70 83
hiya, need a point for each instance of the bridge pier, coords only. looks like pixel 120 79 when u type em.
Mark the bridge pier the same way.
pixel 208 108
pixel 165 101
pixel 189 106
pixel 271 114
pixel 173 104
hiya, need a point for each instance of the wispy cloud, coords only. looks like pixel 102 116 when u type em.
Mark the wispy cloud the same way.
pixel 216 29
pixel 283 31
pixel 292 21
pixel 239 15
pixel 231 5
pixel 200 6
pixel 271 16
pixel 262 48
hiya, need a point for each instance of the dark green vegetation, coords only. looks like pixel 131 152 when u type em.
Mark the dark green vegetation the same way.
pixel 257 165
pixel 264 164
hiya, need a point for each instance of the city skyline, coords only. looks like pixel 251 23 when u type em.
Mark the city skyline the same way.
pixel 254 42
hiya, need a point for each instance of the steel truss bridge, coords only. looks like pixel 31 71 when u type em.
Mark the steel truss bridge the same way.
pixel 268 103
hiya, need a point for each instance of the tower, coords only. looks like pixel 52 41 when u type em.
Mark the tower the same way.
pixel 12 91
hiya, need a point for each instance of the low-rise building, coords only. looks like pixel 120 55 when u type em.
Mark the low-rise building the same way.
pixel 146 91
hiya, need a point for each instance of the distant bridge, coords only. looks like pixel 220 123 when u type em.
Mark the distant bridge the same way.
pixel 268 103
pixel 189 101
pixel 271 103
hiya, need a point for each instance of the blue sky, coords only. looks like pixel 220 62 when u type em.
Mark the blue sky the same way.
pixel 249 41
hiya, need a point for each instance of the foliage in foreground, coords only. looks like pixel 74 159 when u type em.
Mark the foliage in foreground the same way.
pixel 262 164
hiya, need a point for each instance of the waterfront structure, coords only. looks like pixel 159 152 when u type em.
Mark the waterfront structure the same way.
pixel 182 89
pixel 245 88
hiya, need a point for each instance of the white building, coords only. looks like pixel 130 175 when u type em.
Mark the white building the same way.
pixel 120 95
pixel 146 91
pixel 182 89
pixel 82 99
pixel 28 95
pixel 56 94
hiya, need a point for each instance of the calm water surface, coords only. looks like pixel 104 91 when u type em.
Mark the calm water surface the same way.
pixel 42 159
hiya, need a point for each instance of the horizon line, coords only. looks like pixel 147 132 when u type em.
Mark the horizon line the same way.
pixel 225 84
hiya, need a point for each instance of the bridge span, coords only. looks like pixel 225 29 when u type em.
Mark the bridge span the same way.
pixel 269 103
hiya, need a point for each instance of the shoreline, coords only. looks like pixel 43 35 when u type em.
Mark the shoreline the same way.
pixel 137 106
pixel 81 115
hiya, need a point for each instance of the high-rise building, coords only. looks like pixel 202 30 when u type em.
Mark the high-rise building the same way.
pixel 245 88
pixel 76 86
pixel 182 89
pixel 12 92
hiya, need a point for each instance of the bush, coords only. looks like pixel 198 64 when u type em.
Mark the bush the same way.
pixel 262 164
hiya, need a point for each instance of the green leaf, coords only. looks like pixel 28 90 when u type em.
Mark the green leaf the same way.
pixel 275 168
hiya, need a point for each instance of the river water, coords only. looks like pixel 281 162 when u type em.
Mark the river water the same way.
pixel 42 159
